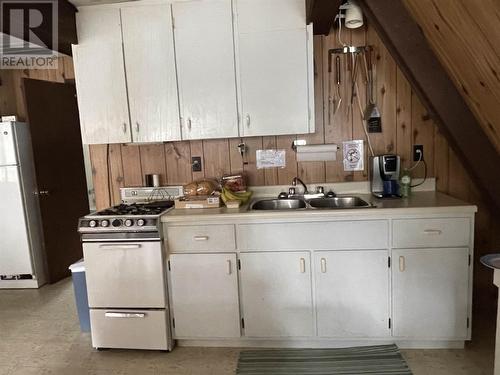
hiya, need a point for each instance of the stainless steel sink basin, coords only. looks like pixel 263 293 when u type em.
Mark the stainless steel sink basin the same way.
pixel 279 204
pixel 338 202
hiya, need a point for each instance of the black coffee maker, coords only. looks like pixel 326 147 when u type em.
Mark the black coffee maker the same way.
pixel 385 176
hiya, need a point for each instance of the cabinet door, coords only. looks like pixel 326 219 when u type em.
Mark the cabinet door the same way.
pixel 204 293
pixel 352 293
pixel 265 15
pixel 276 294
pixel 430 293
pixel 274 71
pixel 100 77
pixel 148 44
pixel 205 65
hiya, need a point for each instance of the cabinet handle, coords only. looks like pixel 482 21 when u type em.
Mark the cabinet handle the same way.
pixel 247 120
pixel 433 231
pixel 200 238
pixel 118 246
pixel 302 265
pixel 137 127
pixel 189 123
pixel 124 315
pixel 124 127
pixel 323 265
pixel 402 264
pixel 229 267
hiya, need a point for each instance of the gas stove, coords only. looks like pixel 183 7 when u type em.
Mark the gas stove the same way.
pixel 135 209
pixel 125 272
pixel 131 220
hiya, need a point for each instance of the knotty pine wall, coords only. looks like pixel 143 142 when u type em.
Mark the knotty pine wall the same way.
pixel 405 122
pixel 465 36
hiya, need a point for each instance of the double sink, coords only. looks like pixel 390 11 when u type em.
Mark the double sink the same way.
pixel 314 203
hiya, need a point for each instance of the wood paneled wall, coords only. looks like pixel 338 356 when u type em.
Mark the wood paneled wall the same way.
pixel 405 122
pixel 465 36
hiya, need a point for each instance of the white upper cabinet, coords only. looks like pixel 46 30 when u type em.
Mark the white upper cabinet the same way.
pixel 275 67
pixel 148 45
pixel 100 77
pixel 270 15
pixel 204 47
pixel 193 69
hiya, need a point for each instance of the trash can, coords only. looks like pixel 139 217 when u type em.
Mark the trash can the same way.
pixel 80 287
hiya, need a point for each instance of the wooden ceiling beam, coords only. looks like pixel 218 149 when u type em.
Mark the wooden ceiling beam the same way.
pixel 430 81
pixel 322 14
pixel 66 24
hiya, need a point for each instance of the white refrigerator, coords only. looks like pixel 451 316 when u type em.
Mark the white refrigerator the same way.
pixel 22 264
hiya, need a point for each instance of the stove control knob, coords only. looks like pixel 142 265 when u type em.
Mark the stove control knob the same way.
pixel 92 223
pixel 129 222
pixel 104 223
pixel 140 222
pixel 116 223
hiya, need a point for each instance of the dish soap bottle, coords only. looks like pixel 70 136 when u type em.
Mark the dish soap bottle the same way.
pixel 405 182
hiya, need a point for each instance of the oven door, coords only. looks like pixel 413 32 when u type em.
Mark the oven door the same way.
pixel 125 274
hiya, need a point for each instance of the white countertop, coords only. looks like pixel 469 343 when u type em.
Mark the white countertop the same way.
pixel 430 202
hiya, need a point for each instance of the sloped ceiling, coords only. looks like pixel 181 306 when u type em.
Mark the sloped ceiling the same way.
pixel 465 36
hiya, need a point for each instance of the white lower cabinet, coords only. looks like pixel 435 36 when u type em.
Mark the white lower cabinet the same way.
pixel 204 295
pixel 276 294
pixel 368 280
pixel 352 293
pixel 430 293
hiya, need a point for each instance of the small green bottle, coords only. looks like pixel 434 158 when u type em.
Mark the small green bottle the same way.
pixel 405 184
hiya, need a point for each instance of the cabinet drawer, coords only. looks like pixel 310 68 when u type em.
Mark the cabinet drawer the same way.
pixel 431 232
pixel 345 235
pixel 201 237
pixel 129 329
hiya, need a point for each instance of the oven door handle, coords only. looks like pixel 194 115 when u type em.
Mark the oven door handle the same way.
pixel 119 246
pixel 124 315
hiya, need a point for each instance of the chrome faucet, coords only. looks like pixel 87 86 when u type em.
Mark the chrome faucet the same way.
pixel 294 183
pixel 292 191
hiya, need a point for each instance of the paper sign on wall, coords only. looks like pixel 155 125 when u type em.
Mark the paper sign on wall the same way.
pixel 353 155
pixel 271 159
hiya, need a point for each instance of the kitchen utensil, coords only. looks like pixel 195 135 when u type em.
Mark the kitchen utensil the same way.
pixel 372 113
pixel 354 75
pixel 337 72
pixel 331 103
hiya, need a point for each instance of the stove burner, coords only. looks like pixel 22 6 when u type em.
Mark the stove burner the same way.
pixel 153 208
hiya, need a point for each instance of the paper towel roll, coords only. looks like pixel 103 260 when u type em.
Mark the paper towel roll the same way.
pixel 317 152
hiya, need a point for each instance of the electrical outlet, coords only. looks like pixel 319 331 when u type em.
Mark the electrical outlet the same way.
pixel 196 163
pixel 418 152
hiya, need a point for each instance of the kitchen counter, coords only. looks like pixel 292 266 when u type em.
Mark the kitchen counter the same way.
pixel 430 202
pixel 400 272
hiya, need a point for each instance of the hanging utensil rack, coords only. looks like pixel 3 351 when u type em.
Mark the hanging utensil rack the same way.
pixel 354 51
pixel 346 50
